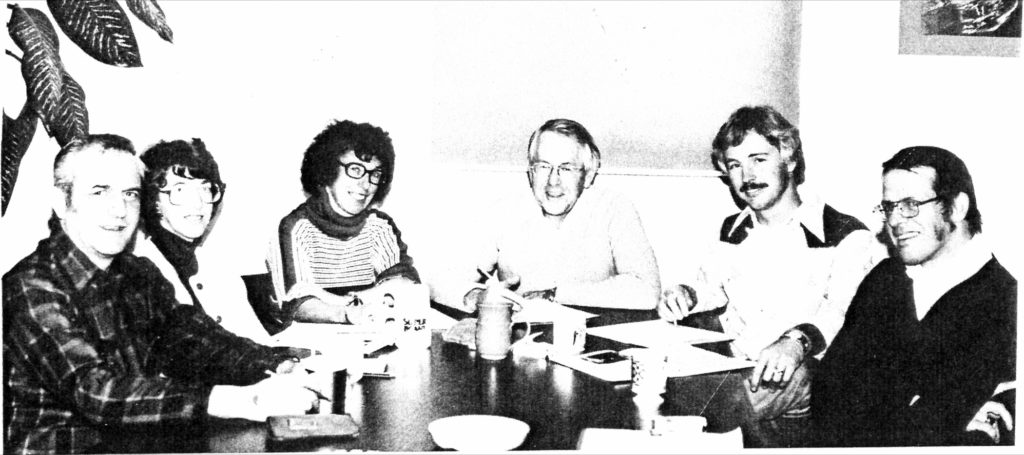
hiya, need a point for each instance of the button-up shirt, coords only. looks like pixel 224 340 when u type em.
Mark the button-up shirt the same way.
pixel 86 348
pixel 773 281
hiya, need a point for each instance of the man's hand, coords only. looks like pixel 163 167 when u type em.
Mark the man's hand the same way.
pixel 777 363
pixel 479 293
pixel 676 302
pixel 279 394
pixel 987 420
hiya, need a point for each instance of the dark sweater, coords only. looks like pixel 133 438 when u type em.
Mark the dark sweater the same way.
pixel 883 357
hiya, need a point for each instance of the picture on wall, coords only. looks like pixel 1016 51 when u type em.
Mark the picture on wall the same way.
pixel 961 27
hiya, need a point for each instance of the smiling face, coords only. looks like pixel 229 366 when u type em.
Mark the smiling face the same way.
pixel 102 212
pixel 558 191
pixel 190 217
pixel 350 196
pixel 925 237
pixel 758 173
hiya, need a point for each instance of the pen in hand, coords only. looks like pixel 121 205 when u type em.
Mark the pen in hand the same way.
pixel 320 395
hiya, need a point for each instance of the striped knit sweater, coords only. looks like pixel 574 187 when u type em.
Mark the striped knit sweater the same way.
pixel 305 253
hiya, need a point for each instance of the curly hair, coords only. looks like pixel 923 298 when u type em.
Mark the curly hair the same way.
pixel 767 123
pixel 181 158
pixel 321 163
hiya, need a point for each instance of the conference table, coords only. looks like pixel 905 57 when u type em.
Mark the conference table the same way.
pixel 449 379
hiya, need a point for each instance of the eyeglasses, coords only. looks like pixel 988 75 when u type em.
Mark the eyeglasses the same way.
pixel 208 192
pixel 543 170
pixel 357 171
pixel 909 208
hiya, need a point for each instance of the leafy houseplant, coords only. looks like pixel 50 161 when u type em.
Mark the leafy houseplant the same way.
pixel 101 29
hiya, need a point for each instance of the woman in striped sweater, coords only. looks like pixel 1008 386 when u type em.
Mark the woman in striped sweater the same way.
pixel 337 250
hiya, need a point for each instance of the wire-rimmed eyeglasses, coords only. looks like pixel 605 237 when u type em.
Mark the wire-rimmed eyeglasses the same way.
pixel 357 171
pixel 208 192
pixel 908 207
pixel 543 169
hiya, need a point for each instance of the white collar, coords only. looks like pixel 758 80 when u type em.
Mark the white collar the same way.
pixel 960 265
pixel 810 214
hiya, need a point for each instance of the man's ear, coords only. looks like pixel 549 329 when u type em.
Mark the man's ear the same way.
pixel 787 154
pixel 58 201
pixel 529 177
pixel 589 178
pixel 958 209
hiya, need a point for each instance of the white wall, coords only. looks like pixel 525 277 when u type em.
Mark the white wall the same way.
pixel 861 102
pixel 258 84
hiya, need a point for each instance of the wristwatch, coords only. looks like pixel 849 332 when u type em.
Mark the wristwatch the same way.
pixel 799 336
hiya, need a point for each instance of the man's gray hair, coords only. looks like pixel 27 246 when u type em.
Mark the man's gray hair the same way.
pixel 66 162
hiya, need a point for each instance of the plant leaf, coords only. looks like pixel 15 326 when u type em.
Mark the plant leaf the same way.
pixel 41 67
pixel 100 27
pixel 149 12
pixel 17 136
pixel 71 120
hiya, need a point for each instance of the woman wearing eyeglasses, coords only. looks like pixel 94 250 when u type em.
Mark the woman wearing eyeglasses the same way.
pixel 182 193
pixel 337 251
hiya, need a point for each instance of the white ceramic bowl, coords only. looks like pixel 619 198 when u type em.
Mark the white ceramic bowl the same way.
pixel 478 433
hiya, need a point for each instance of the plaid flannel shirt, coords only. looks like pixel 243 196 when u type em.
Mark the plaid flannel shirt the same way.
pixel 86 349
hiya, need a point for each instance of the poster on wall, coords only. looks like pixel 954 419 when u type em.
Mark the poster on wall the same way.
pixel 961 27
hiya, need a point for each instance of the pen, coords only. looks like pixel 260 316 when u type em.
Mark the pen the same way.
pixel 486 275
pixel 320 395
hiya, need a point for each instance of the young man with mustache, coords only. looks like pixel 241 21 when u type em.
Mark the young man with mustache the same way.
pixel 782 276
pixel 931 332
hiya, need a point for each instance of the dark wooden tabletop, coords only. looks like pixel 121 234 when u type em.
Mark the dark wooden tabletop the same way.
pixel 449 379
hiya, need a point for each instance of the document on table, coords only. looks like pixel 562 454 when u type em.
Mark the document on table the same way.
pixel 657 333
pixel 332 337
pixel 542 311
pixel 609 440
pixel 683 360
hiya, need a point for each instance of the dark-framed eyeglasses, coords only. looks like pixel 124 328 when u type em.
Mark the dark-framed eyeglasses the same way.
pixel 357 171
pixel 543 169
pixel 208 192
pixel 908 207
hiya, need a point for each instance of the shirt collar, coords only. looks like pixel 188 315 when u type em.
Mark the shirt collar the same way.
pixel 78 267
pixel 810 215
pixel 961 265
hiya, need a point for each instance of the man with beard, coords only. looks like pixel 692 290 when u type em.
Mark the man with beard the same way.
pixel 782 276
pixel 931 331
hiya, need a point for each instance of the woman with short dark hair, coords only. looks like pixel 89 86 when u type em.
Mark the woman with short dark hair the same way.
pixel 337 246
pixel 182 193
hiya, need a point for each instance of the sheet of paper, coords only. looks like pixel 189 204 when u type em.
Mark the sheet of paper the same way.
pixel 325 337
pixel 683 360
pixel 691 361
pixel 543 311
pixel 608 440
pixel 657 333
pixel 437 320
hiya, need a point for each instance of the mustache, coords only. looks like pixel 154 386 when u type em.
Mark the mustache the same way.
pixel 747 186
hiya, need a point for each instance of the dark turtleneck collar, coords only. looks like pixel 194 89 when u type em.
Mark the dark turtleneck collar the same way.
pixel 179 252
pixel 319 212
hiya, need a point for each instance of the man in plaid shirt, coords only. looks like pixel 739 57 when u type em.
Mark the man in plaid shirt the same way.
pixel 92 337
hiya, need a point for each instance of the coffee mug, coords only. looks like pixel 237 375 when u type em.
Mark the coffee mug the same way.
pixel 570 336
pixel 649 371
pixel 494 330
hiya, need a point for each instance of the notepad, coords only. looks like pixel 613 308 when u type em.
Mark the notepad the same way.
pixel 657 333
